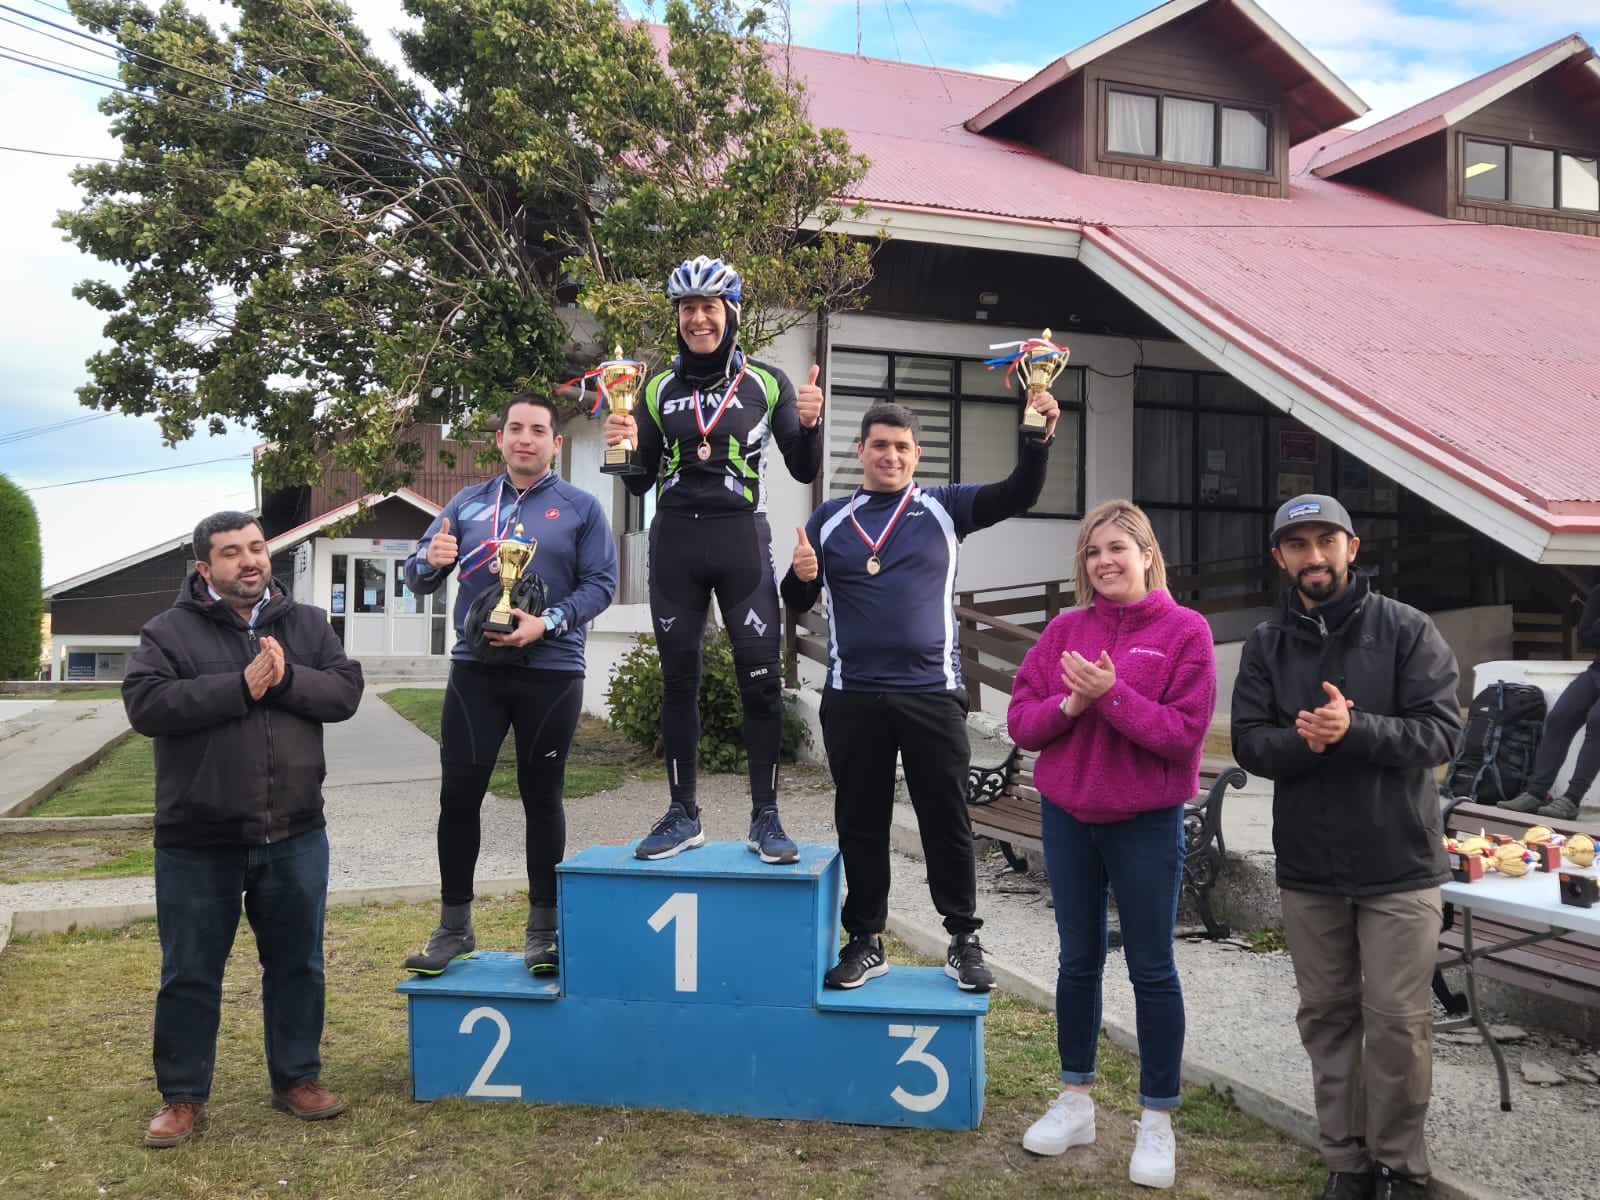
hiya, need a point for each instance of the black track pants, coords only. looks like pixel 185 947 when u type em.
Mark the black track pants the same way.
pixel 480 702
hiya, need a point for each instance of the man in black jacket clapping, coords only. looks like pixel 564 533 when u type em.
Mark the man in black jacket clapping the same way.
pixel 234 682
pixel 1347 701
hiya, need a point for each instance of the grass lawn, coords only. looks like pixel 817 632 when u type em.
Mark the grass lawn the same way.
pixel 75 1051
pixel 601 758
pixel 30 857
pixel 124 781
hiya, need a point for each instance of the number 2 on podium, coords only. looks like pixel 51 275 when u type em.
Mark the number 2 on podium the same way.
pixel 683 908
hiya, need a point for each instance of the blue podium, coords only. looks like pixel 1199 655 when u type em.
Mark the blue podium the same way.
pixel 696 983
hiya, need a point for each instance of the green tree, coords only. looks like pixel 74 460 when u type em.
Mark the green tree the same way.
pixel 21 594
pixel 329 251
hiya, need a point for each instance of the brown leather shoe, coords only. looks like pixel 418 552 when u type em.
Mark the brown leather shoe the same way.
pixel 308 1101
pixel 174 1124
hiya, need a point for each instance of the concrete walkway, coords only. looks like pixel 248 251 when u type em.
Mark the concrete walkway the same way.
pixel 382 795
pixel 43 744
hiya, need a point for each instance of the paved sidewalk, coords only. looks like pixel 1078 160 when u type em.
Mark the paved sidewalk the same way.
pixel 382 797
pixel 45 743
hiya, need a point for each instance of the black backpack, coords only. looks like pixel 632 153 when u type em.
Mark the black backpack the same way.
pixel 1502 735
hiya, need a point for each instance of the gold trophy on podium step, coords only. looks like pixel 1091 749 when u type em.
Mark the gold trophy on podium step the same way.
pixel 619 380
pixel 1041 365
pixel 514 554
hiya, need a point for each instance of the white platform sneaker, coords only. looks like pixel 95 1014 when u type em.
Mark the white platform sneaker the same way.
pixel 1154 1154
pixel 1069 1121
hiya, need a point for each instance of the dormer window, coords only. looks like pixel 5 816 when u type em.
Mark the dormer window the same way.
pixel 1530 176
pixel 1185 129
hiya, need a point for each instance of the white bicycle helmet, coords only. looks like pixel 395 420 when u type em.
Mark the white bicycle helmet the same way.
pixel 702 276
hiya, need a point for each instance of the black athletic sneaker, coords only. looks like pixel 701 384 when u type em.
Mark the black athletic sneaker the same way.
pixel 860 960
pixel 541 952
pixel 1347 1185
pixel 445 945
pixel 1391 1185
pixel 964 964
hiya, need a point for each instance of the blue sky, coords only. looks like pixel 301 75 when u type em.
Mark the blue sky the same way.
pixel 1391 52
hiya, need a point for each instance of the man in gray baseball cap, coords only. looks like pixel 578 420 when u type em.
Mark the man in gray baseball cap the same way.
pixel 1310 509
pixel 1346 700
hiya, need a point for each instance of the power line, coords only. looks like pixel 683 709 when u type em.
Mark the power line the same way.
pixel 22 435
pixel 44 487
pixel 59 154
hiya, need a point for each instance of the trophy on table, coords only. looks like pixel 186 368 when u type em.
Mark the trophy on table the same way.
pixel 618 380
pixel 514 554
pixel 1040 362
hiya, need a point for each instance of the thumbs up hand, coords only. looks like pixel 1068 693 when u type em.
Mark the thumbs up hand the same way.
pixel 809 399
pixel 442 548
pixel 805 556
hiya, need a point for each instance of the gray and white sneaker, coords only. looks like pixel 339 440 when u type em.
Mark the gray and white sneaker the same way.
pixel 1068 1122
pixel 860 960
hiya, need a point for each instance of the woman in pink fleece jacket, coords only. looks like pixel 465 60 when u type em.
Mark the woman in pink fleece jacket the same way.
pixel 1116 697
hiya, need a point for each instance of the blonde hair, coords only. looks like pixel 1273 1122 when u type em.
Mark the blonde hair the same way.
pixel 1130 518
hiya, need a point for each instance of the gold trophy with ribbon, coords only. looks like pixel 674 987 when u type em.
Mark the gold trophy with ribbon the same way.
pixel 619 380
pixel 1042 363
pixel 514 554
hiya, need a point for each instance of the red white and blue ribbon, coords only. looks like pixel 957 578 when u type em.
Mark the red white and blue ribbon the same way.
pixel 874 546
pixel 619 369
pixel 1023 354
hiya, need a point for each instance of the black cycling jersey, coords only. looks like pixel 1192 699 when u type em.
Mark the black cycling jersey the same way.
pixel 711 462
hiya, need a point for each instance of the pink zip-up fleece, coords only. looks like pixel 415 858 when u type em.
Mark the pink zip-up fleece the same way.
pixel 1137 747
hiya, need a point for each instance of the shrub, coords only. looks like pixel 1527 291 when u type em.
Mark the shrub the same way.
pixel 634 697
pixel 21 596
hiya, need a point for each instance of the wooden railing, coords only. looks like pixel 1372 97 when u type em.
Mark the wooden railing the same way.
pixel 999 624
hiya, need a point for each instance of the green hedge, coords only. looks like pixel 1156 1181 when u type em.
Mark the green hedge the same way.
pixel 21 595
pixel 635 701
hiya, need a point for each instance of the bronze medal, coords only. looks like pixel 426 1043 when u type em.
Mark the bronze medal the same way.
pixel 873 565
pixel 703 450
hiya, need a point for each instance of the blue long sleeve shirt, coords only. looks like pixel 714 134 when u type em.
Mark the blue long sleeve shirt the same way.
pixel 576 558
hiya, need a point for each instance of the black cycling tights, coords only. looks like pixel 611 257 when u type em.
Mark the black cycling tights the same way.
pixel 479 703
pixel 691 557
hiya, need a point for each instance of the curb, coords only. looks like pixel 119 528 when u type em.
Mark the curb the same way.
pixel 1286 1116
pixel 40 794
pixel 76 824
pixel 39 921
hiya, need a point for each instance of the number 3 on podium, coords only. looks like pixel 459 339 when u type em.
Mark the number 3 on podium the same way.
pixel 917 1052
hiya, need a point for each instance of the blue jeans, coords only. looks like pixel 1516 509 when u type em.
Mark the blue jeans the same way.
pixel 284 891
pixel 1141 860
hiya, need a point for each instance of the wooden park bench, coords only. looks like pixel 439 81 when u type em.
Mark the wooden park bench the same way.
pixel 1567 968
pixel 1004 806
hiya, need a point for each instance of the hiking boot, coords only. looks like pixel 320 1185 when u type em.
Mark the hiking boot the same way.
pixel 1347 1185
pixel 1154 1161
pixel 768 839
pixel 1564 809
pixel 174 1124
pixel 964 964
pixel 309 1101
pixel 673 834
pixel 540 953
pixel 1068 1122
pixel 452 940
pixel 1389 1184
pixel 860 960
pixel 1521 802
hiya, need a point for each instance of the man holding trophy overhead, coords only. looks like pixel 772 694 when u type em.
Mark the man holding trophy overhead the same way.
pixel 703 427
pixel 885 558
pixel 537 564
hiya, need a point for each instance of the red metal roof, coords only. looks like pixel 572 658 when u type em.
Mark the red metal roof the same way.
pixel 1474 347
pixel 1447 107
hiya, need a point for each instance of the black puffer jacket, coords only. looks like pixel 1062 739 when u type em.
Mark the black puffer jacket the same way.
pixel 231 770
pixel 1363 817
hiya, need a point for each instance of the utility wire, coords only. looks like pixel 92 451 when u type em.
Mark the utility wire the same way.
pixel 22 435
pixel 205 462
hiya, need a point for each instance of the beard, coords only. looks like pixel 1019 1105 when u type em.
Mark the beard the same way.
pixel 237 589
pixel 1321 593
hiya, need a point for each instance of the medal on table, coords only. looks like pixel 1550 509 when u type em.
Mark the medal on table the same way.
pixel 703 450
pixel 874 545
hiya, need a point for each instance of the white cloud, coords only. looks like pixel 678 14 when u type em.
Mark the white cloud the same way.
pixel 1004 69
